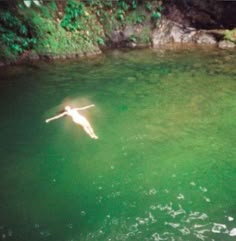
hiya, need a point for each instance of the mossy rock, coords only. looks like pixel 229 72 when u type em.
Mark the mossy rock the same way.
pixel 230 35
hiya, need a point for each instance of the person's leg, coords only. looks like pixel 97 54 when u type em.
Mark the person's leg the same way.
pixel 88 129
pixel 90 132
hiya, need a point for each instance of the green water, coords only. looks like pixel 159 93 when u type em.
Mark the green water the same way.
pixel 163 168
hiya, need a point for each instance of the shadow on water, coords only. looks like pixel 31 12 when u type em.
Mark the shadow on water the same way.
pixel 162 169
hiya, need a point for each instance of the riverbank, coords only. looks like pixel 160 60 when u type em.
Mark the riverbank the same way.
pixel 72 29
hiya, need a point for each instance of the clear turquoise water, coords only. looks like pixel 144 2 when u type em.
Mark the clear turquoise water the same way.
pixel 164 167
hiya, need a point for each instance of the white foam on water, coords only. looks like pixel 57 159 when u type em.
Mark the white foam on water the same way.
pixel 184 231
pixel 207 199
pixel 167 207
pixel 202 231
pixel 114 194
pixel 166 191
pixel 170 210
pixel 82 213
pixel 200 236
pixel 152 191
pixel 174 213
pixel 219 228
pixel 133 228
pixel 115 221
pixel 130 234
pixel 204 189
pixel 173 225
pixel 232 232
pixel 142 221
pixel 151 217
pixel 230 219
pixel 180 196
pixel 157 237
pixel 153 207
pixel 196 216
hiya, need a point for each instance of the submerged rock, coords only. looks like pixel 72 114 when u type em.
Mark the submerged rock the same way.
pixel 226 44
pixel 205 38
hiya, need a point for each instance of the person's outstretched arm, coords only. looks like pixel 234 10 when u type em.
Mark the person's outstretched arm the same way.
pixel 85 107
pixel 55 117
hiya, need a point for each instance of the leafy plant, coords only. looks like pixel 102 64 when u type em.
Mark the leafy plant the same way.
pixel 230 35
pixel 73 11
pixel 133 38
pixel 156 15
pixel 100 41
pixel 134 4
pixel 14 33
pixel 148 6
pixel 120 14
pixel 123 5
pixel 139 19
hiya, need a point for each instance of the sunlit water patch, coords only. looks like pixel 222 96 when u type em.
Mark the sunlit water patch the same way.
pixel 163 168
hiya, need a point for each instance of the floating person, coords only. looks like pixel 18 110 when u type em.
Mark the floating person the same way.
pixel 77 118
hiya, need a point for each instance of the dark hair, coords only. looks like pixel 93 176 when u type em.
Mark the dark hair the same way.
pixel 60 111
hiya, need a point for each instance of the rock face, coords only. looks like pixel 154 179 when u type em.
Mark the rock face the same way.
pixel 167 32
pixel 195 21
pixel 172 32
pixel 131 36
pixel 204 38
pixel 202 14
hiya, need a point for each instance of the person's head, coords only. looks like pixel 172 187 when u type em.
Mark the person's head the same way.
pixel 67 108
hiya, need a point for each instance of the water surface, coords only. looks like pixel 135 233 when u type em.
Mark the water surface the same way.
pixel 164 167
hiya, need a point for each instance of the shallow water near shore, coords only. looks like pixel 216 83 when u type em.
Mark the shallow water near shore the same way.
pixel 163 168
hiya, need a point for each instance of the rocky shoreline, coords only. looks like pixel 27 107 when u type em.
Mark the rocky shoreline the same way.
pixel 197 23
pixel 167 33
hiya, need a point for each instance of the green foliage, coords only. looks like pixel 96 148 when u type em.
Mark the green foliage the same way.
pixel 73 11
pixel 148 6
pixel 133 38
pixel 120 14
pixel 56 40
pixel 136 17
pixel 156 15
pixel 48 10
pixel 72 26
pixel 100 41
pixel 139 19
pixel 14 33
pixel 121 4
pixel 144 36
pixel 134 4
pixel 230 35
